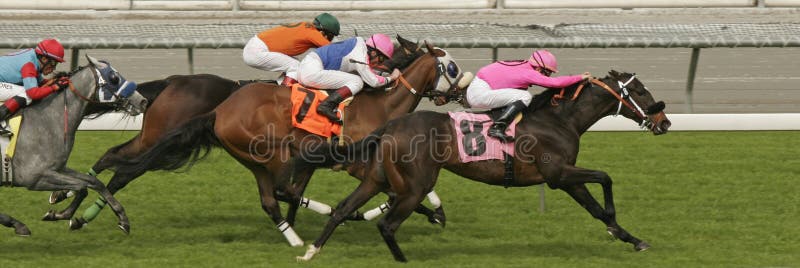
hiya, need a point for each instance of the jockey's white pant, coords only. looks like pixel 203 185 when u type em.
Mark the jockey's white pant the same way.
pixel 312 74
pixel 8 90
pixel 256 54
pixel 481 95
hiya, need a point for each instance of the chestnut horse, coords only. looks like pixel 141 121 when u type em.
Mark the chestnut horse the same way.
pixel 546 150
pixel 173 101
pixel 254 126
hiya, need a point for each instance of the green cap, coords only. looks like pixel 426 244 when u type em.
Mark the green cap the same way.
pixel 327 22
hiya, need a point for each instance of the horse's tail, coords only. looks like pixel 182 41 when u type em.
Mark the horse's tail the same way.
pixel 363 149
pixel 184 145
pixel 151 89
pixel 330 154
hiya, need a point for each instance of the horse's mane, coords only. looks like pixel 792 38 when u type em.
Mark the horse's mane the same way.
pixel 543 100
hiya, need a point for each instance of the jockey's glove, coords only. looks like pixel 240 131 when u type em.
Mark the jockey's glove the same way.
pixel 61 83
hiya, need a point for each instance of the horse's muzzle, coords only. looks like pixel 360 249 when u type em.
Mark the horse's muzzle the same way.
pixel 135 105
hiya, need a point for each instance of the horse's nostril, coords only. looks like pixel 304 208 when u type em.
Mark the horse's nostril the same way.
pixel 666 124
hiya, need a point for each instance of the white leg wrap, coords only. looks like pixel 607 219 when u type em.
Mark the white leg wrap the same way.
pixel 375 212
pixel 310 252
pixel 291 236
pixel 315 206
pixel 434 198
pixel 71 193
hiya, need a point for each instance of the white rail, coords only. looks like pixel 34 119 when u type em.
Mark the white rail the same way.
pixel 377 4
pixel 680 122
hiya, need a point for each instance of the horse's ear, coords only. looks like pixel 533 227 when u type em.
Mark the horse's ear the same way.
pixel 406 44
pixel 430 48
pixel 92 60
pixel 434 51
pixel 613 73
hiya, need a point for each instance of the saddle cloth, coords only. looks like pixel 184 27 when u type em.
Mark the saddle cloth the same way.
pixel 474 144
pixel 7 148
pixel 304 112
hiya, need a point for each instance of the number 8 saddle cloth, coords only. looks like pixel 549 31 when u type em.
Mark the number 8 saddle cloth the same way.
pixel 474 144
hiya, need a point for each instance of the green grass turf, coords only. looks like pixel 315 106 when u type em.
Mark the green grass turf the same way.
pixel 701 199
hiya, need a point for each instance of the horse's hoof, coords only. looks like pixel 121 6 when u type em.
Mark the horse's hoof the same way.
pixel 125 227
pixel 58 196
pixel 642 246
pixel 50 216
pixel 612 232
pixel 76 224
pixel 439 217
pixel 22 230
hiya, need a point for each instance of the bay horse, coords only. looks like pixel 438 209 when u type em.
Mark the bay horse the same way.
pixel 47 135
pixel 546 150
pixel 180 98
pixel 254 126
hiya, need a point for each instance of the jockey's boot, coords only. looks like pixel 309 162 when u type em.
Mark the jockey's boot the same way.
pixel 4 114
pixel 288 81
pixel 328 106
pixel 498 129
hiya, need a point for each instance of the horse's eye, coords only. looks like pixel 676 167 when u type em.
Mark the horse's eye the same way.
pixel 113 78
pixel 452 69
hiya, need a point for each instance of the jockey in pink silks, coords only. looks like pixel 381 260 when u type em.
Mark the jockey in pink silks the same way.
pixel 505 84
pixel 346 66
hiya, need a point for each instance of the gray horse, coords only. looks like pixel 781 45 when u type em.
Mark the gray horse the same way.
pixel 47 135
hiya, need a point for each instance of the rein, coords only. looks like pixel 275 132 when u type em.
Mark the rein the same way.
pixel 624 98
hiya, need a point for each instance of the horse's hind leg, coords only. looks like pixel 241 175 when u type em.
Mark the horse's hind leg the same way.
pixel 575 187
pixel 400 209
pixel 19 227
pixel 366 190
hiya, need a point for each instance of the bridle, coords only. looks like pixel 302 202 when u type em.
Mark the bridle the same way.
pixel 623 96
pixel 99 83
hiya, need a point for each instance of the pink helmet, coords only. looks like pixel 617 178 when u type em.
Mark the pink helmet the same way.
pixel 51 48
pixel 545 59
pixel 382 43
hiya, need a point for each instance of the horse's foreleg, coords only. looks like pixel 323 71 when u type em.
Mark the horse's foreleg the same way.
pixel 436 216
pixel 300 179
pixel 266 190
pixel 574 184
pixel 98 167
pixel 50 180
pixel 117 182
pixel 366 190
pixel 69 211
pixel 19 227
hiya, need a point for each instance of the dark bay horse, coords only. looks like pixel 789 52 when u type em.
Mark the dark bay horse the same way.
pixel 254 126
pixel 180 98
pixel 174 101
pixel 546 150
pixel 47 135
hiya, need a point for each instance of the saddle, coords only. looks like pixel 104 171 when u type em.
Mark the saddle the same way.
pixel 474 143
pixel 7 147
pixel 245 82
pixel 304 111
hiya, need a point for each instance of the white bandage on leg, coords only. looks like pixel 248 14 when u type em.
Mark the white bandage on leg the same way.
pixel 375 212
pixel 291 236
pixel 315 206
pixel 434 198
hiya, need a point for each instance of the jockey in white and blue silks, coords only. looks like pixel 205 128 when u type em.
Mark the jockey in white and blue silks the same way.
pixel 346 66
pixel 21 80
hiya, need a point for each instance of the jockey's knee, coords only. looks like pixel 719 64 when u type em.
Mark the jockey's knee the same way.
pixel 527 99
pixel 355 86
